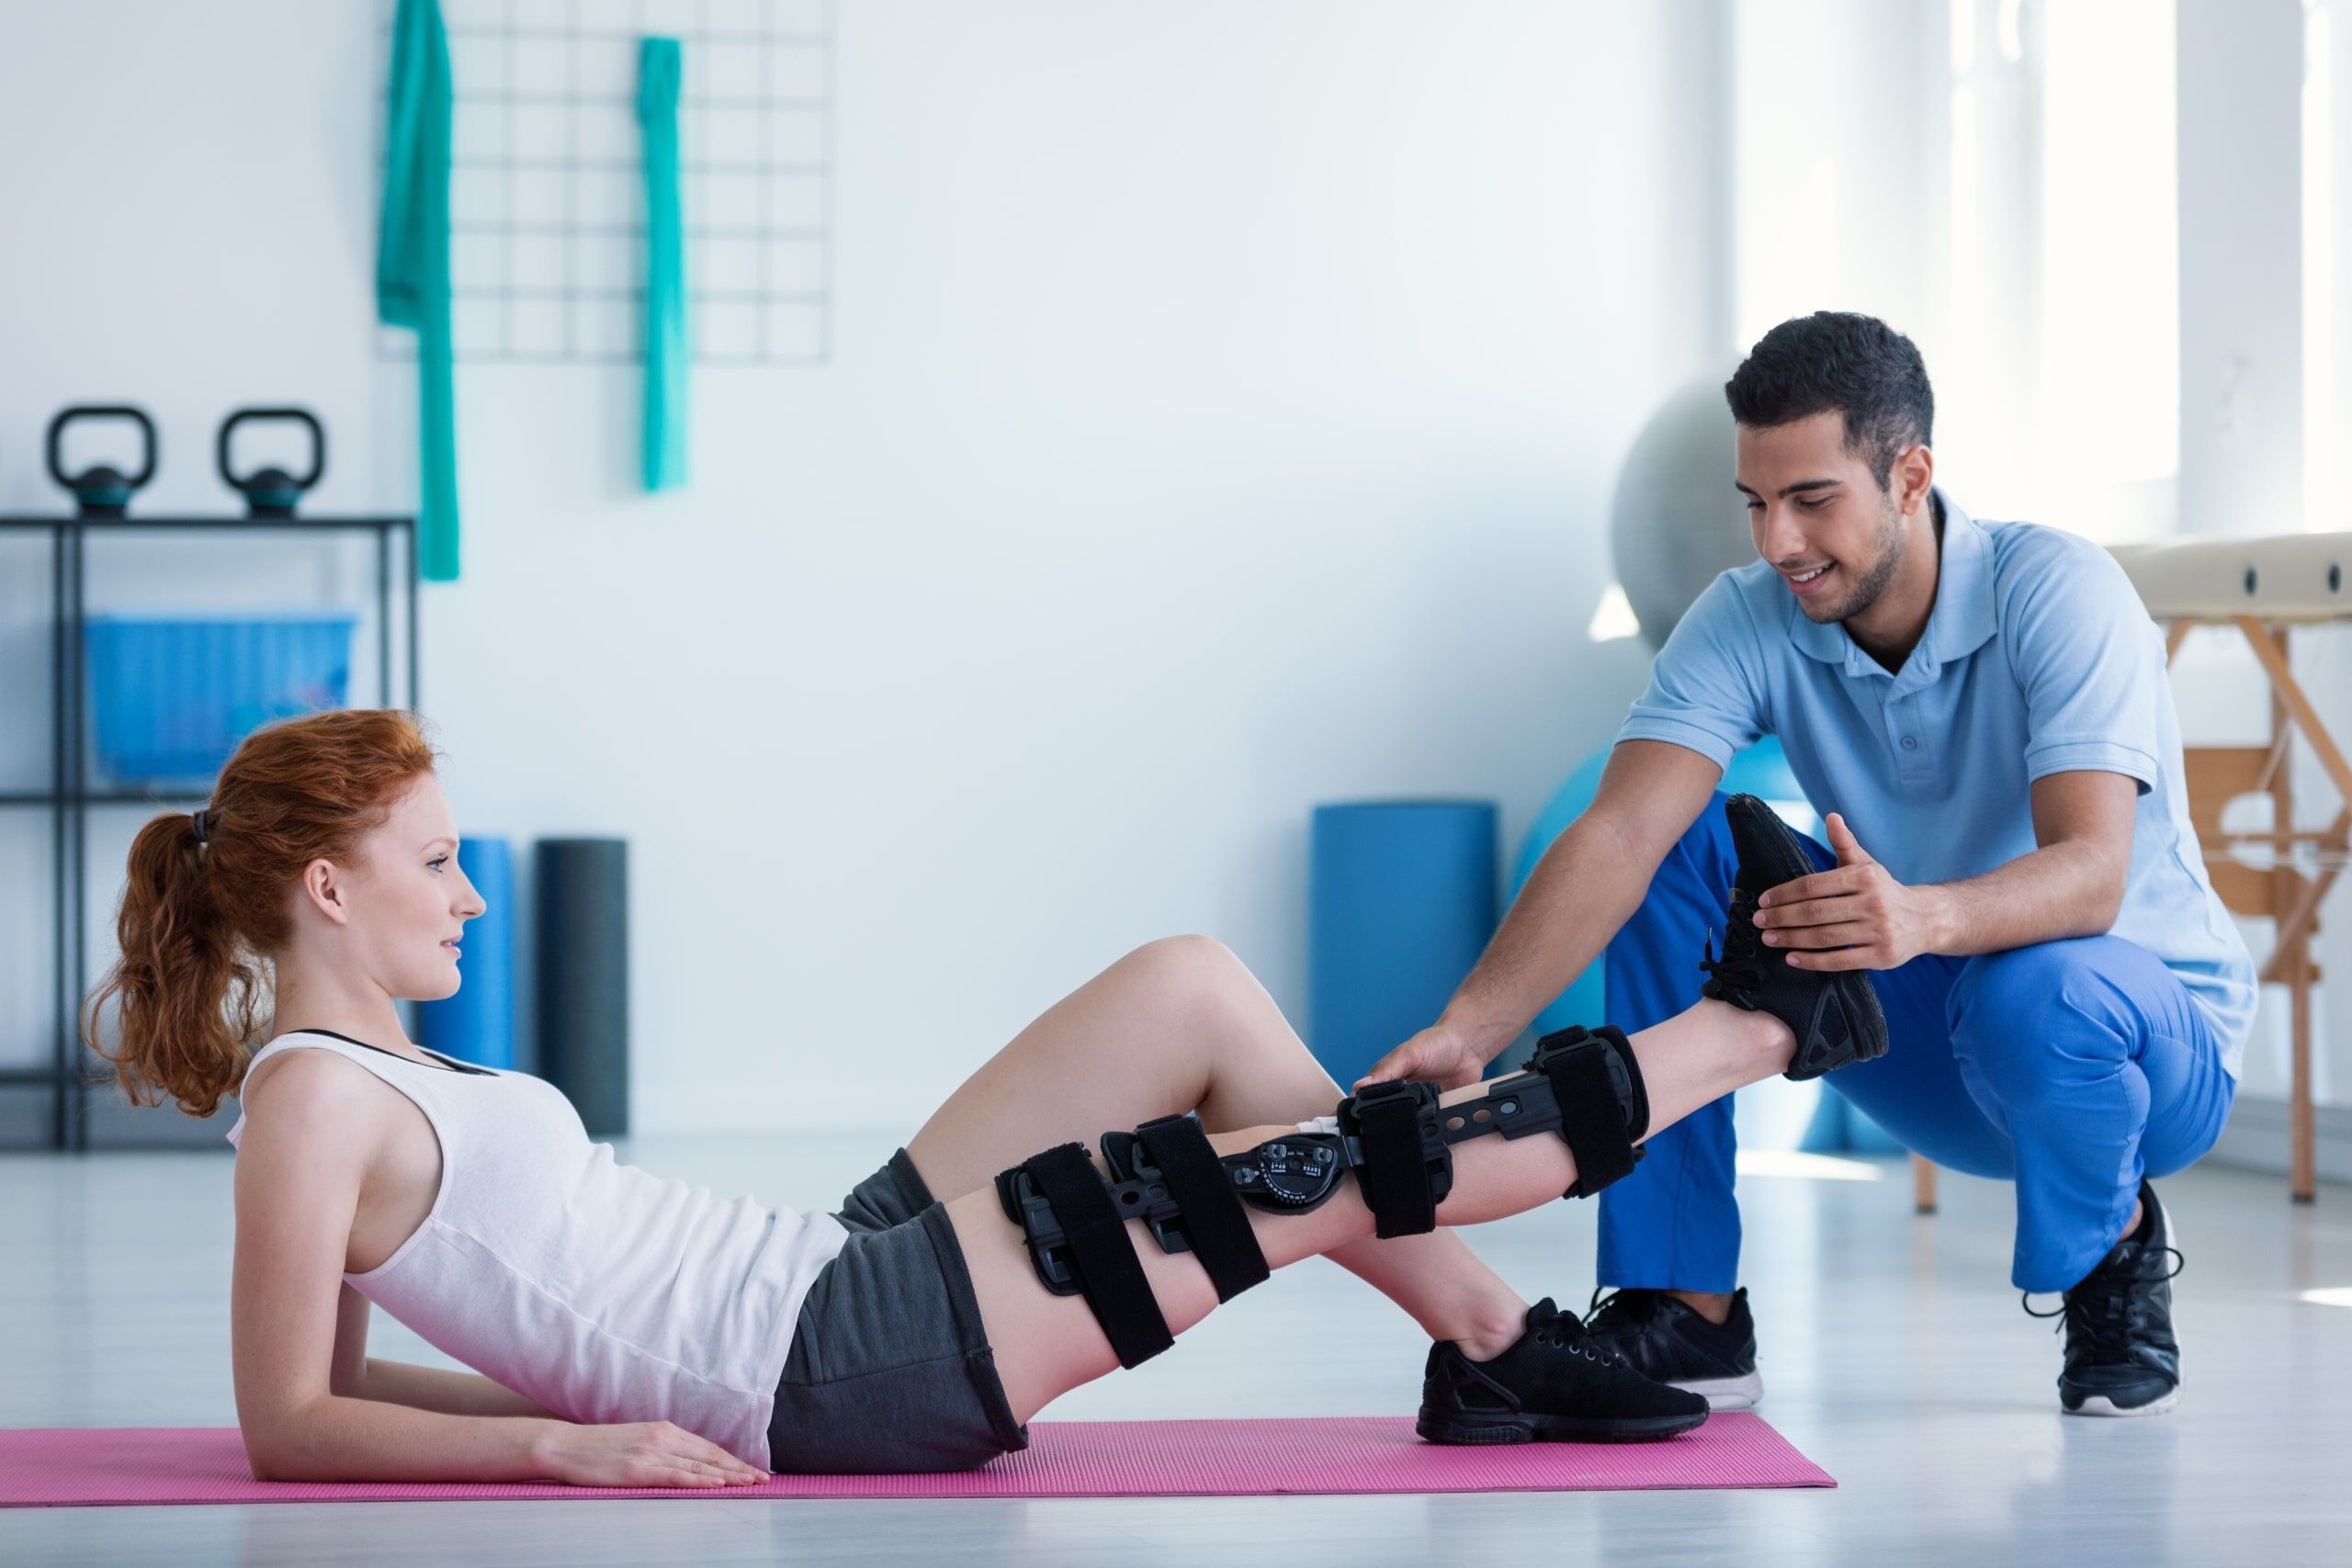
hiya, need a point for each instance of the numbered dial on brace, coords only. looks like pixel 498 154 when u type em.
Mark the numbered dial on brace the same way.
pixel 1297 1172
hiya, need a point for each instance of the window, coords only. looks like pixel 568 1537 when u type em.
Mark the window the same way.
pixel 2065 389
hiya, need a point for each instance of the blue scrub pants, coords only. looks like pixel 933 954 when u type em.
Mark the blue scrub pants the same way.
pixel 2070 1068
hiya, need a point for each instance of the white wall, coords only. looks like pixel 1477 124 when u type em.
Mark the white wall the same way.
pixel 2323 658
pixel 2242 72
pixel 2241 300
pixel 1838 183
pixel 1224 405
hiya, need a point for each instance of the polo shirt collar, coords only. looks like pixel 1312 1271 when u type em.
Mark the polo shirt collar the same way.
pixel 1963 621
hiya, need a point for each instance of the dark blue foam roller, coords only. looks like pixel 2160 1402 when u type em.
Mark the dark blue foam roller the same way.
pixel 583 905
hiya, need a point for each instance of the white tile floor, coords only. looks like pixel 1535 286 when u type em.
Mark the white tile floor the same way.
pixel 1894 1353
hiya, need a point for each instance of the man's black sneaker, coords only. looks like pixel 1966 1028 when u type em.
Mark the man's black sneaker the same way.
pixel 1659 1335
pixel 2121 1358
pixel 1551 1385
pixel 1834 1013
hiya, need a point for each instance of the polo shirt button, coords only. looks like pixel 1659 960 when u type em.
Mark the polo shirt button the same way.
pixel 1910 743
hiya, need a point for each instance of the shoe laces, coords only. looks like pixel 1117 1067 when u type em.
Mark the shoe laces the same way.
pixel 1566 1331
pixel 1742 965
pixel 2098 1311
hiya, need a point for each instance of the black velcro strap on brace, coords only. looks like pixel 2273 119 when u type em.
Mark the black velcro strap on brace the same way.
pixel 1395 1174
pixel 1215 1223
pixel 1102 1254
pixel 1592 1111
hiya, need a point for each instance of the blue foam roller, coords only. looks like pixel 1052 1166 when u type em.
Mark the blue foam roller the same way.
pixel 477 1024
pixel 1401 905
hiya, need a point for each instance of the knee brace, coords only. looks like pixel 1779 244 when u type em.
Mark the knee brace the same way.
pixel 1164 1173
pixel 1582 1084
pixel 1395 1137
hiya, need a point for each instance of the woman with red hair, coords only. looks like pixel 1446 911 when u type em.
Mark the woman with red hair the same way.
pixel 630 1330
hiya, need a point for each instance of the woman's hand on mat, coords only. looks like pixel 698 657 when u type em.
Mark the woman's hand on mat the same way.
pixel 1855 916
pixel 1435 1055
pixel 641 1453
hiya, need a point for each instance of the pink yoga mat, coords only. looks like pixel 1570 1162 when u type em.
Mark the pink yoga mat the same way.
pixel 70 1466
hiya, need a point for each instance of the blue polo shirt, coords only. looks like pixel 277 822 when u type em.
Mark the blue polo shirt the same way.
pixel 2037 658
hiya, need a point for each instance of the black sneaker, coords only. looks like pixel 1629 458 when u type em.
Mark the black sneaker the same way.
pixel 1834 1013
pixel 1657 1334
pixel 1551 1385
pixel 2122 1357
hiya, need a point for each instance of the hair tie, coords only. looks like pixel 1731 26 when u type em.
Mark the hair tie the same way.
pixel 199 824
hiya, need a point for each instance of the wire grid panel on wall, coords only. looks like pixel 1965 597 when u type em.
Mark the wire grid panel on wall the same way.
pixel 547 191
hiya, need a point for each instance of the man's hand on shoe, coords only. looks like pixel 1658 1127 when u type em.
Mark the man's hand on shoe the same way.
pixel 1855 916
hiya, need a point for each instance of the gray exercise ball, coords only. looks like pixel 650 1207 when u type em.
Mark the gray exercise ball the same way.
pixel 1676 521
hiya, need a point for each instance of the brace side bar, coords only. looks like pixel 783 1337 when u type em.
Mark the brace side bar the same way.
pixel 1305 1172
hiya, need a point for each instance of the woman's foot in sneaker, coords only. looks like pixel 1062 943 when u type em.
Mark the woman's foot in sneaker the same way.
pixel 1833 1013
pixel 1554 1384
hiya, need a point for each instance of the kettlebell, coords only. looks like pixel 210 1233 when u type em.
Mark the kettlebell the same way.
pixel 272 492
pixel 103 491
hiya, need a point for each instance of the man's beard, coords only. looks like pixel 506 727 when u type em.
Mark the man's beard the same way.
pixel 1873 582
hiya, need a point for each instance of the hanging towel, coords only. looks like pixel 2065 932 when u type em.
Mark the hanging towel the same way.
pixel 412 264
pixel 666 349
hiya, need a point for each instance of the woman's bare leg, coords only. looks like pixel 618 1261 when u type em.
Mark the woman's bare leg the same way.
pixel 1046 1345
pixel 1181 1024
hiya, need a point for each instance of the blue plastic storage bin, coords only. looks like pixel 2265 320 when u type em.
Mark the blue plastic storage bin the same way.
pixel 171 696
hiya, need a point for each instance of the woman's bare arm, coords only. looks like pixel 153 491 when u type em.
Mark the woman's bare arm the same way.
pixel 357 1375
pixel 297 1178
pixel 437 1388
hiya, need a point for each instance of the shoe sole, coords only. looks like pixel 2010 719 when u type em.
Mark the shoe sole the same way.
pixel 1848 989
pixel 1794 861
pixel 1726 1394
pixel 2100 1404
pixel 1497 1430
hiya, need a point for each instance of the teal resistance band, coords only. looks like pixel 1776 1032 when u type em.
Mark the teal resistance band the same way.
pixel 412 264
pixel 666 348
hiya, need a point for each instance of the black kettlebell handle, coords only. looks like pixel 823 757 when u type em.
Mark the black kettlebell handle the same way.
pixel 299 416
pixel 95 410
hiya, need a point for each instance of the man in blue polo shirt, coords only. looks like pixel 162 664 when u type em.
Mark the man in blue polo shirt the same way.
pixel 1981 711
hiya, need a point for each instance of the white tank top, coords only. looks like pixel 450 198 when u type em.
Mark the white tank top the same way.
pixel 589 1287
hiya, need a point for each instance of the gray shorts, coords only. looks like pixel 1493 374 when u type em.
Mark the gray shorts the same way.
pixel 889 1369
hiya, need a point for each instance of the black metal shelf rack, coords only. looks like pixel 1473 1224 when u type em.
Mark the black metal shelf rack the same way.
pixel 75 1070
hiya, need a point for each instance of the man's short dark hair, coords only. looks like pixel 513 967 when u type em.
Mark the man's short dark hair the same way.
pixel 1835 359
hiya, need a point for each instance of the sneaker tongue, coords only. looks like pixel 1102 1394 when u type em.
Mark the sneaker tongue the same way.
pixel 2132 1243
pixel 2123 1261
pixel 1625 1306
pixel 1542 1311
